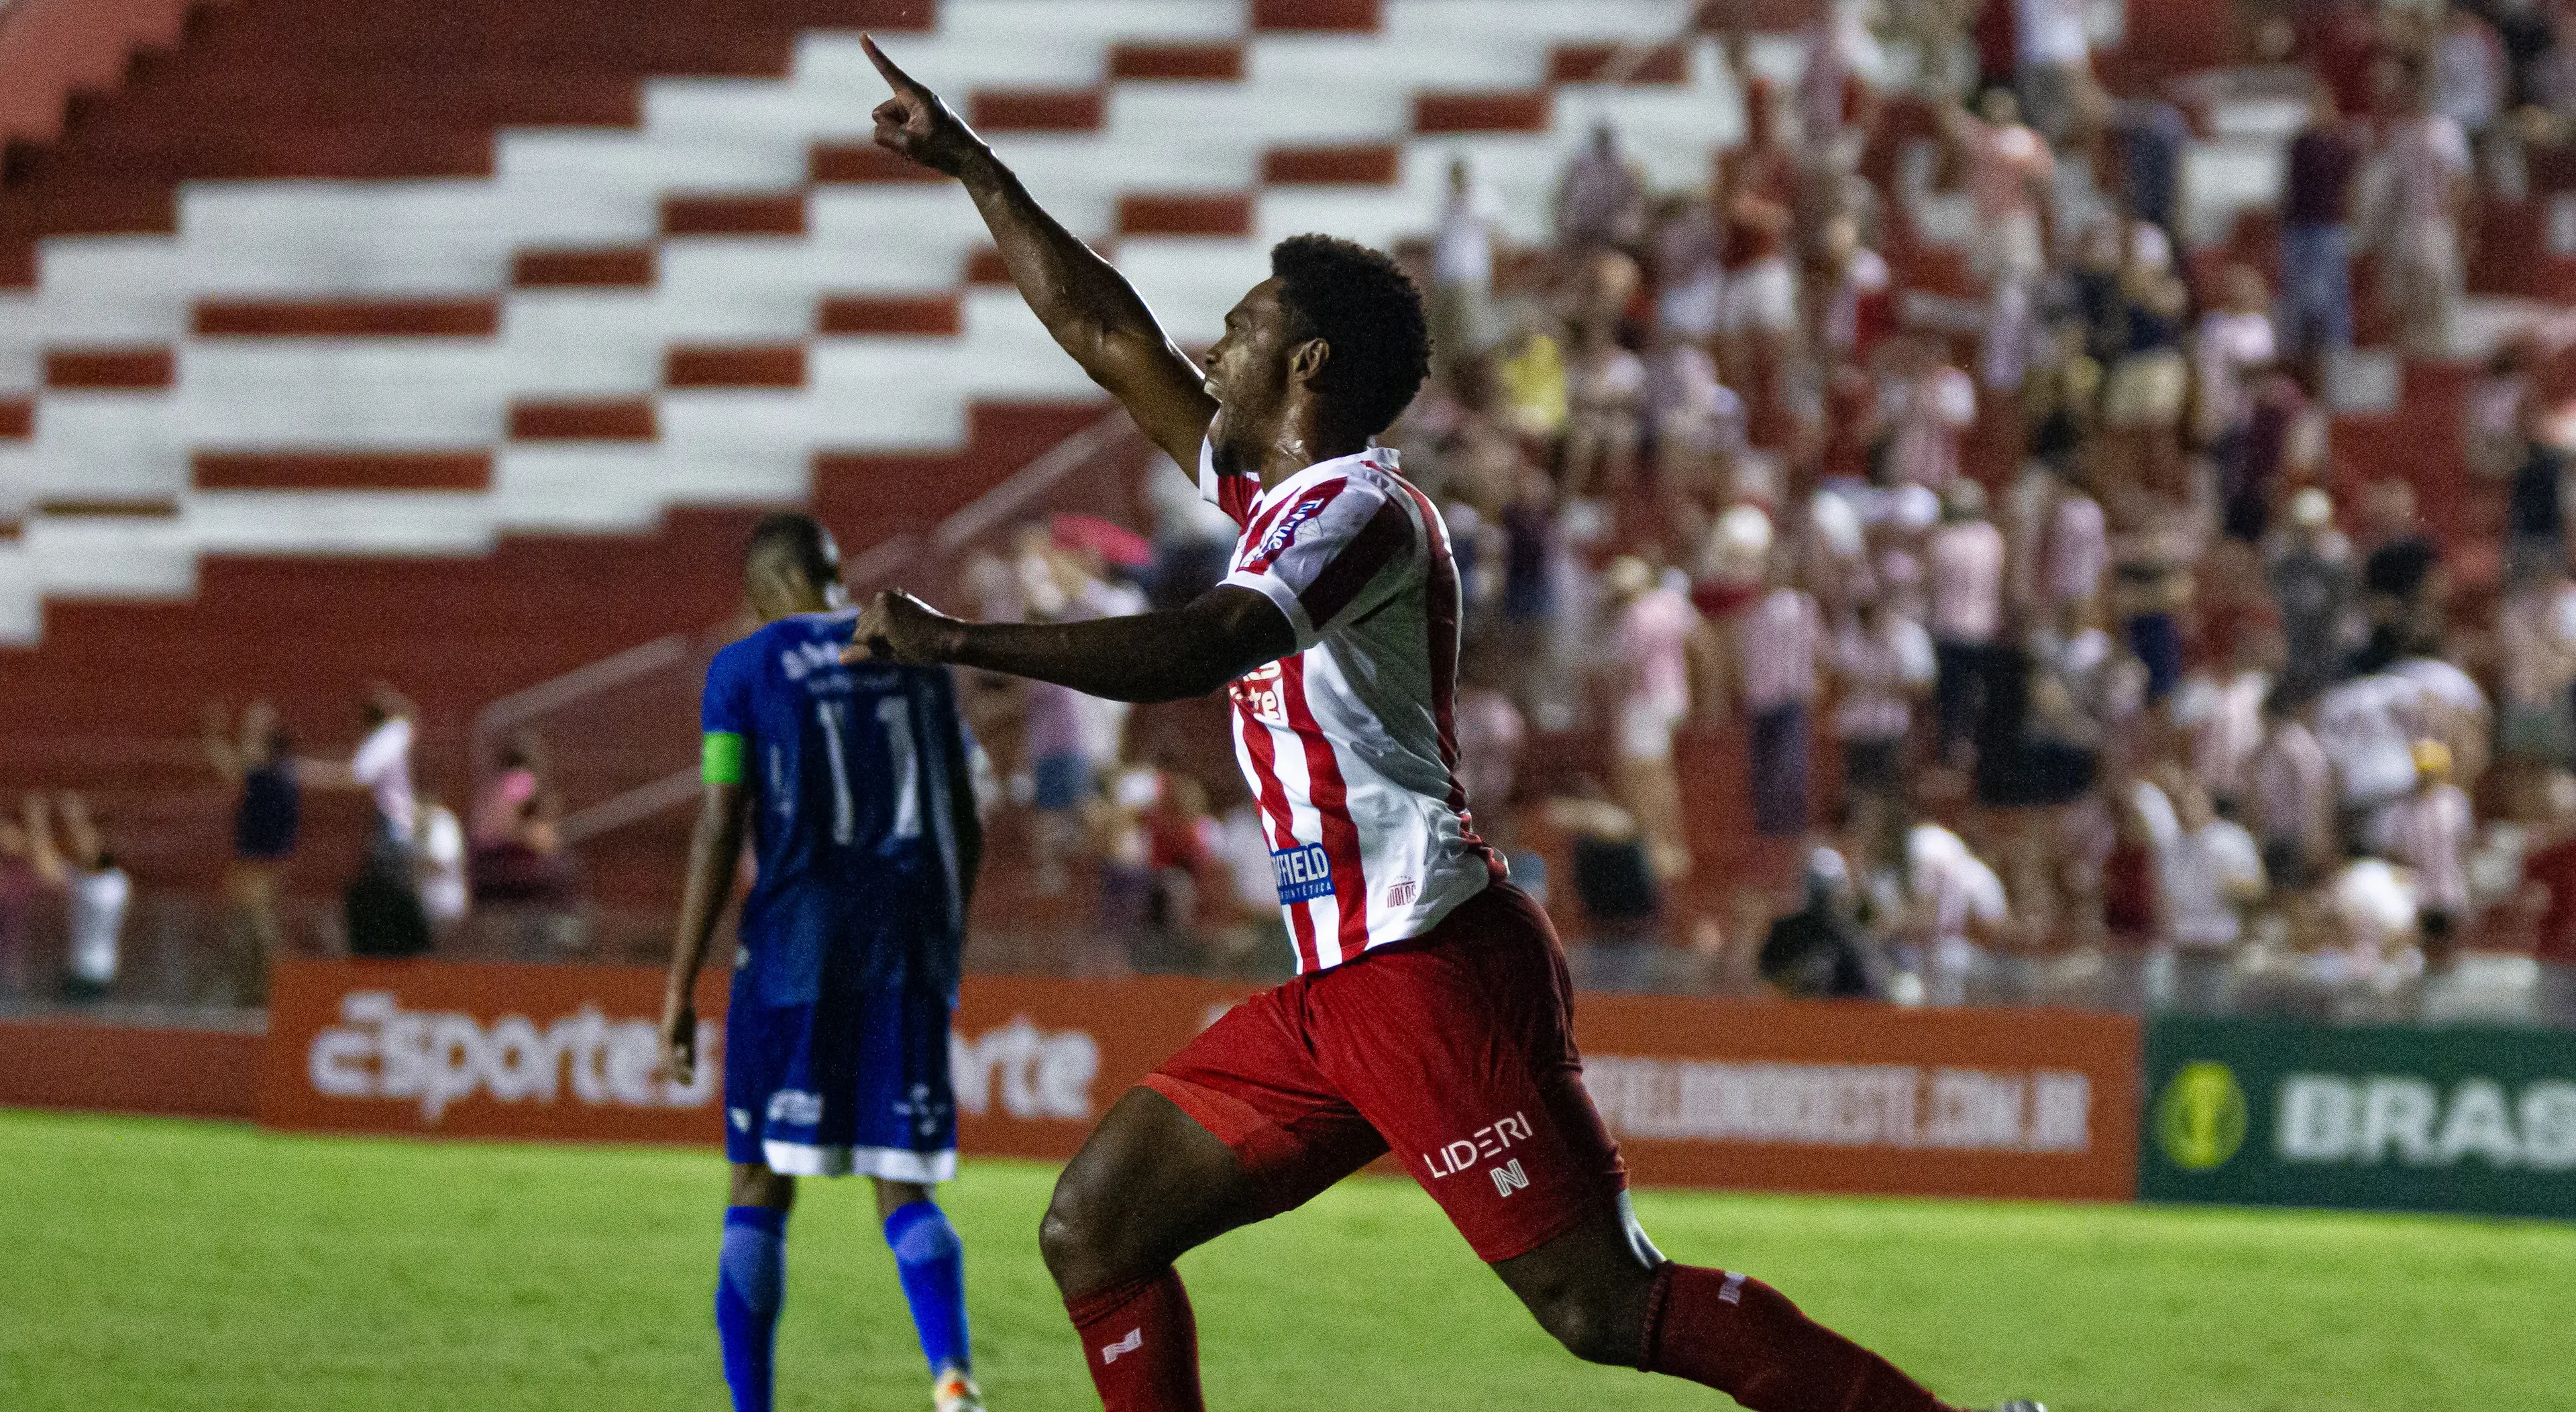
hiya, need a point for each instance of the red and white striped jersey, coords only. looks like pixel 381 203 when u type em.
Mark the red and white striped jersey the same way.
pixel 1349 744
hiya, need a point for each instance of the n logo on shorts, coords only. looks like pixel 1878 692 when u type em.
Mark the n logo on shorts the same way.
pixel 1507 1177
pixel 1134 1340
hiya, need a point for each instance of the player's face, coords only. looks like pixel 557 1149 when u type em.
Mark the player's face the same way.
pixel 1247 371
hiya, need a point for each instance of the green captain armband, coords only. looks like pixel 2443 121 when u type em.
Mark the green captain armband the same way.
pixel 721 761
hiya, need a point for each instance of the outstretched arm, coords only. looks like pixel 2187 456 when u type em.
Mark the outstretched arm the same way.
pixel 1168 656
pixel 1088 306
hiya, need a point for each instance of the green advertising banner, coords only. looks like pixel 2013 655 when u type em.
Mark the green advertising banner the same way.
pixel 2278 1114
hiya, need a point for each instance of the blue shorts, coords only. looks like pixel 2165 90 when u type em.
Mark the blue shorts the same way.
pixel 857 1085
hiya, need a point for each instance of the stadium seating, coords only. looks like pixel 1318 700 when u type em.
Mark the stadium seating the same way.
pixel 433 342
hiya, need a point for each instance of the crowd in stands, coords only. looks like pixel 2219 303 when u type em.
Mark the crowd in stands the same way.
pixel 2058 655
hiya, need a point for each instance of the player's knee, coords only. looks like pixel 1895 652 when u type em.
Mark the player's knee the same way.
pixel 1597 1325
pixel 1074 1237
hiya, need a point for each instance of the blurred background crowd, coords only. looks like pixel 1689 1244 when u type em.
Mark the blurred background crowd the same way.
pixel 2021 630
pixel 2023 640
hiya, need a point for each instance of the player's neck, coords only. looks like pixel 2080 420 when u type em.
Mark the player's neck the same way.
pixel 1301 443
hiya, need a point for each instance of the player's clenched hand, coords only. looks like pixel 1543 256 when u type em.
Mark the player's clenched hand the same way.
pixel 898 627
pixel 680 1038
pixel 915 125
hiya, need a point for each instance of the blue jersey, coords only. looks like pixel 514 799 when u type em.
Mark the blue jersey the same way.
pixel 851 772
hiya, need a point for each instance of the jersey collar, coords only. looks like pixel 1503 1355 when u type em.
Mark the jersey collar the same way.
pixel 1377 458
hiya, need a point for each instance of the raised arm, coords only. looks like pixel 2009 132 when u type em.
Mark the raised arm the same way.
pixel 1168 656
pixel 1088 306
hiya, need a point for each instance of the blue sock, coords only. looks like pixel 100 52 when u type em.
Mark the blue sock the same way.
pixel 751 1283
pixel 932 1262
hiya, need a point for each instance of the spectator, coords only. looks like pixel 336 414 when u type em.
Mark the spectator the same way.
pixel 2009 174
pixel 2142 403
pixel 2549 889
pixel 1615 887
pixel 1491 732
pixel 2054 73
pixel 2536 641
pixel 1599 202
pixel 1605 387
pixel 2315 585
pixel 2233 346
pixel 382 906
pixel 99 892
pixel 1651 649
pixel 439 864
pixel 2419 248
pixel 2362 725
pixel 1462 269
pixel 1815 953
pixel 1690 281
pixel 2399 574
pixel 2316 231
pixel 1883 662
pixel 1967 567
pixel 22 887
pixel 2152 135
pixel 1935 404
pixel 530 885
pixel 259 763
pixel 1953 899
pixel 1780 639
pixel 2431 832
pixel 2208 871
pixel 504 797
pixel 1757 193
pixel 2290 798
pixel 2284 445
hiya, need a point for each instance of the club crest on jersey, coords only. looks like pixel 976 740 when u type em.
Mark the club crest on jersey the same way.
pixel 1303 873
pixel 1283 533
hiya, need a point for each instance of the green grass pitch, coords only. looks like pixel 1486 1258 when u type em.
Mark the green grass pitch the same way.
pixel 150 1264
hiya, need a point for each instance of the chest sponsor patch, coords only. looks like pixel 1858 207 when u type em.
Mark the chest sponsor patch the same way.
pixel 1303 873
pixel 1284 533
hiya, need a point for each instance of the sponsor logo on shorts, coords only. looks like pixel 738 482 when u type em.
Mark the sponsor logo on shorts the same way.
pixel 1487 1143
pixel 1508 1177
pixel 1732 1291
pixel 795 1108
pixel 741 1118
pixel 1134 1340
pixel 1303 873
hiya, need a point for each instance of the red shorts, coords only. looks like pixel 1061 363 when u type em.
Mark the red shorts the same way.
pixel 1455 1049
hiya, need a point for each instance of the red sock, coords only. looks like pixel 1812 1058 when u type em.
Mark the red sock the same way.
pixel 1747 1340
pixel 1142 1345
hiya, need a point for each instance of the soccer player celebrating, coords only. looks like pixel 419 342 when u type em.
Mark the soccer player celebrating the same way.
pixel 853 782
pixel 1430 1013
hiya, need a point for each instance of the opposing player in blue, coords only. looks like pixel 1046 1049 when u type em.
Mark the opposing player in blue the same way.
pixel 853 784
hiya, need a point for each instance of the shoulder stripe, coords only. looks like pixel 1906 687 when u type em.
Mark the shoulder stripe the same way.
pixel 1388 534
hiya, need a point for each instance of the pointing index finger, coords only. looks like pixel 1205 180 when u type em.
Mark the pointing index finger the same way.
pixel 886 68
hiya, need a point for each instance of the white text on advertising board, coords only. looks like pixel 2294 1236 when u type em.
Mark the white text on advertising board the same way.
pixel 381 1050
pixel 1843 1105
pixel 1038 1073
pixel 2366 1121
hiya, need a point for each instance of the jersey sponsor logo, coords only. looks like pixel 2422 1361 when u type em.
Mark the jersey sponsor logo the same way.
pixel 1303 873
pixel 1259 694
pixel 1508 1178
pixel 1403 893
pixel 1486 1144
pixel 1284 533
pixel 1134 1340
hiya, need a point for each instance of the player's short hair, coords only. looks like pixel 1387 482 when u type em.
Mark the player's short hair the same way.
pixel 1367 309
pixel 790 540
